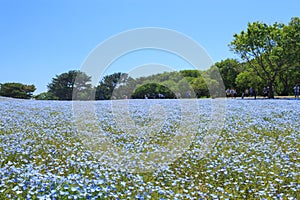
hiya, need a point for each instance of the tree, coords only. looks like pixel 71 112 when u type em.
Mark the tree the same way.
pixel 291 41
pixel 185 89
pixel 200 87
pixel 247 79
pixel 172 85
pixel 109 83
pixel 291 35
pixel 17 90
pixel 214 82
pixel 268 49
pixel 70 85
pixel 152 90
pixel 126 89
pixel 229 70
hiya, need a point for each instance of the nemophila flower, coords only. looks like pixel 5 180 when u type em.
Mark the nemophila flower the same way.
pixel 53 159
pixel 123 183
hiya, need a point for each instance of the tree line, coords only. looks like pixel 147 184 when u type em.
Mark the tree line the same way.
pixel 269 57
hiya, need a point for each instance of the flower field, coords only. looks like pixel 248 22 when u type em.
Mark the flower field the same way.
pixel 47 153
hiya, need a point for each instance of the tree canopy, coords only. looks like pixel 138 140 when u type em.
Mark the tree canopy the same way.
pixel 108 84
pixel 17 90
pixel 70 85
pixel 270 50
pixel 153 91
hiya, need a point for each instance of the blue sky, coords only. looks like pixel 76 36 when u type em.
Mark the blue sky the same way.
pixel 43 38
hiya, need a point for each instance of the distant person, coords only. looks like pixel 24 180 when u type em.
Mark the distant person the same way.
pixel 153 95
pixel 188 94
pixel 227 93
pixel 160 96
pixel 251 91
pixel 246 93
pixel 233 93
pixel 296 91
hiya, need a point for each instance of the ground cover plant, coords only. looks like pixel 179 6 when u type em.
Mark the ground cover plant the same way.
pixel 256 155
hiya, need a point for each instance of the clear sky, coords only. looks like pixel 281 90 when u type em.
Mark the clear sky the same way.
pixel 43 38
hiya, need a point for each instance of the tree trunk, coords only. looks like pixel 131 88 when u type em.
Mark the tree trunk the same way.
pixel 271 90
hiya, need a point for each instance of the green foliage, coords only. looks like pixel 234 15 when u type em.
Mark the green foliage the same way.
pixel 172 85
pixel 229 70
pixel 190 73
pixel 270 50
pixel 287 80
pixel 118 85
pixel 45 96
pixel 185 89
pixel 17 90
pixel 109 83
pixel 153 90
pixel 214 82
pixel 184 84
pixel 248 79
pixel 71 85
pixel 200 87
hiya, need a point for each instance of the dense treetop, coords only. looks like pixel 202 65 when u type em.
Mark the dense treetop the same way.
pixel 271 51
pixel 17 90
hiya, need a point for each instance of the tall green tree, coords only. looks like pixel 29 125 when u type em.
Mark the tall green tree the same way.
pixel 109 83
pixel 17 90
pixel 125 89
pixel 199 85
pixel 268 49
pixel 291 41
pixel 229 70
pixel 70 85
